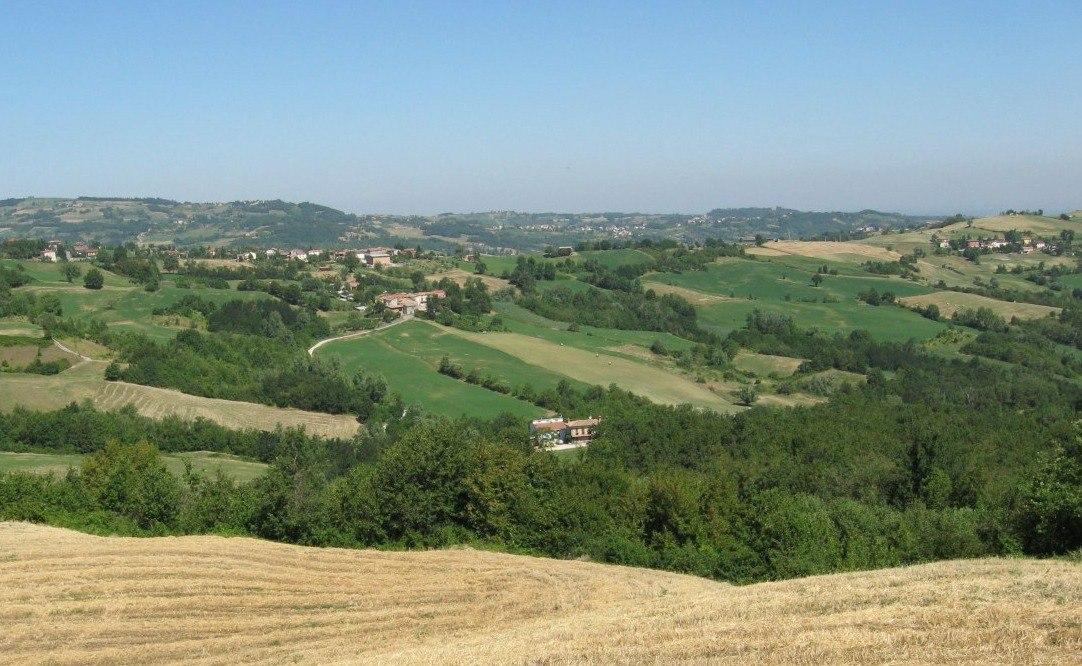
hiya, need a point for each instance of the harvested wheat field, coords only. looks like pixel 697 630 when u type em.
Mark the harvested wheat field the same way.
pixel 84 382
pixel 67 597
pixel 830 250
pixel 950 302
pixel 692 296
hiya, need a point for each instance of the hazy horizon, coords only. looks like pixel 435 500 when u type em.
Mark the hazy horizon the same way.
pixel 659 108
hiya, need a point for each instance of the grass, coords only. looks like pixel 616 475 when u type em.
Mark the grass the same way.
pixel 120 303
pixel 85 382
pixel 950 302
pixel 75 598
pixel 614 259
pixel 764 365
pixel 765 284
pixel 645 379
pixel 206 462
pixel 407 356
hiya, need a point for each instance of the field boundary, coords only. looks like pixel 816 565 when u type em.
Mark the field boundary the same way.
pixel 359 334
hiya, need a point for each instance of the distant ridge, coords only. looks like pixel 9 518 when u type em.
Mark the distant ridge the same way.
pixel 275 222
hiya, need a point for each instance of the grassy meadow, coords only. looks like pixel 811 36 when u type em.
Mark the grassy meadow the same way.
pixel 743 285
pixel 119 303
pixel 407 356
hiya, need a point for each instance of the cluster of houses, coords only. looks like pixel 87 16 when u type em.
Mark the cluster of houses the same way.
pixel 556 432
pixel 1027 245
pixel 407 303
pixel 80 250
pixel 372 256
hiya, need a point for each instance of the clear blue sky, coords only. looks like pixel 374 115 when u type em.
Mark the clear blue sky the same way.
pixel 580 106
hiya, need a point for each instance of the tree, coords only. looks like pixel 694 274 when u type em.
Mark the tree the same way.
pixel 131 479
pixel 747 395
pixel 70 271
pixel 94 279
pixel 1047 511
pixel 817 280
pixel 170 263
pixel 480 268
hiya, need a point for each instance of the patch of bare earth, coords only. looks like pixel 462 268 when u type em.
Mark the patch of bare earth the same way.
pixel 71 598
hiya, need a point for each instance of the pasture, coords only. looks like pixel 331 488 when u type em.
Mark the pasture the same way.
pixel 75 598
pixel 774 287
pixel 765 365
pixel 602 369
pixel 407 356
pixel 120 303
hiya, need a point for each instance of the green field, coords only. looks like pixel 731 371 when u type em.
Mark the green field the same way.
pixel 206 462
pixel 120 303
pixel 407 356
pixel 615 258
pixel 590 338
pixel 765 284
pixel 536 352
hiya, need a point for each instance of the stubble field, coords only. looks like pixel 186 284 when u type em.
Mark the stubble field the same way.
pixel 71 598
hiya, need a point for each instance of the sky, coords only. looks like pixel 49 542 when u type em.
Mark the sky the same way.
pixel 426 107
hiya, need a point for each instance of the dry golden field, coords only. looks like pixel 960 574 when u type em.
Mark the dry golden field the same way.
pixel 84 381
pixel 690 295
pixel 71 598
pixel 832 250
pixel 950 302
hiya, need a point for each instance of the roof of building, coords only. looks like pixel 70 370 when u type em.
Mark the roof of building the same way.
pixel 583 423
pixel 548 425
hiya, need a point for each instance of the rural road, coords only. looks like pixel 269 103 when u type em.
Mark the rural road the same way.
pixel 64 347
pixel 358 334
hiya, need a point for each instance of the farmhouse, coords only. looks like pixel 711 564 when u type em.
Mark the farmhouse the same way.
pixel 556 431
pixel 408 303
pixel 48 255
pixel 81 249
pixel 376 256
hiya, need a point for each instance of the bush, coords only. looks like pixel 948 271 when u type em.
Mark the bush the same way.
pixel 93 279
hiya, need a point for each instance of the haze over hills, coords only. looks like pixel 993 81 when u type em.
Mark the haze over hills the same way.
pixel 275 222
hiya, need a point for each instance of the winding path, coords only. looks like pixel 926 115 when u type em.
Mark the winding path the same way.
pixel 358 334
pixel 83 358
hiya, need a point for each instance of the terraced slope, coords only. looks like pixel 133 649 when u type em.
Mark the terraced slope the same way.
pixel 67 597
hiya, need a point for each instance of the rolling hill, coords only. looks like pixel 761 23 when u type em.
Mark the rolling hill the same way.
pixel 73 598
pixel 275 222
